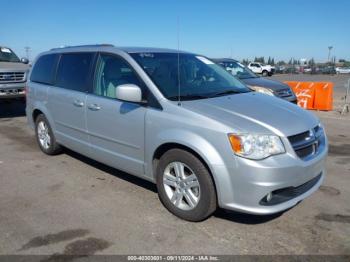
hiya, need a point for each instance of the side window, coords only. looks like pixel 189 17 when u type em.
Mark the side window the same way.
pixel 111 72
pixel 73 71
pixel 44 69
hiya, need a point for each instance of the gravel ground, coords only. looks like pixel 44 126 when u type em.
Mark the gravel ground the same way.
pixel 68 204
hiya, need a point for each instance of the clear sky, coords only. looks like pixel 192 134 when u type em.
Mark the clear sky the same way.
pixel 216 28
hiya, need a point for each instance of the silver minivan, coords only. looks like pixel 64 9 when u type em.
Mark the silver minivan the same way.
pixel 181 121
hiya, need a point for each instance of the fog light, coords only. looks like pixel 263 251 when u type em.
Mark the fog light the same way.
pixel 268 197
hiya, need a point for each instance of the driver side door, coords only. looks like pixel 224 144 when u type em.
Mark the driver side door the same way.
pixel 115 128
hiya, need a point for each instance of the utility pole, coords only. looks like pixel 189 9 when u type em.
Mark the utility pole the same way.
pixel 329 52
pixel 27 49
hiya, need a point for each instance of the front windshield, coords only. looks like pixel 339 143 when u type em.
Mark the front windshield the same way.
pixel 6 55
pixel 238 70
pixel 198 77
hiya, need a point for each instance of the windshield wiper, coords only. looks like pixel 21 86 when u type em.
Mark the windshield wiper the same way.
pixel 187 97
pixel 227 92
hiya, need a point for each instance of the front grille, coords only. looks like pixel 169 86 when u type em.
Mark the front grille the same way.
pixel 288 193
pixel 307 144
pixel 283 92
pixel 11 77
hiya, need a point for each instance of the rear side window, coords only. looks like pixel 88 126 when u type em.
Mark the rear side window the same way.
pixel 44 69
pixel 73 71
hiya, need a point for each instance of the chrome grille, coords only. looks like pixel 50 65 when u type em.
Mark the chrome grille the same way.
pixel 10 77
pixel 307 144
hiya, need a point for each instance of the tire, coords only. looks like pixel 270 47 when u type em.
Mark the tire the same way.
pixel 203 189
pixel 265 73
pixel 50 147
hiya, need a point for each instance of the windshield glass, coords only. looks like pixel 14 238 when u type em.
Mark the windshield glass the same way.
pixel 238 70
pixel 198 76
pixel 6 55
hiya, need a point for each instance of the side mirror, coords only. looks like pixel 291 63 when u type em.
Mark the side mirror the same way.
pixel 24 60
pixel 129 93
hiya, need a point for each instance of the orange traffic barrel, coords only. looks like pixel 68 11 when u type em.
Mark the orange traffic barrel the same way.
pixel 305 93
pixel 313 95
pixel 324 96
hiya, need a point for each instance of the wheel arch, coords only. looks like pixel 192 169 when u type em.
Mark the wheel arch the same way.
pixel 162 149
pixel 192 143
pixel 41 109
pixel 36 113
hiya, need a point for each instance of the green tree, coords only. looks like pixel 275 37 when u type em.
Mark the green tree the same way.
pixel 261 59
pixel 245 62
pixel 311 62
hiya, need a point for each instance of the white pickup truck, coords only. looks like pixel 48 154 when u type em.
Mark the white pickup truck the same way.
pixel 13 74
pixel 259 68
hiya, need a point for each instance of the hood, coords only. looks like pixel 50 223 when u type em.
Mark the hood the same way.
pixel 6 66
pixel 255 113
pixel 267 83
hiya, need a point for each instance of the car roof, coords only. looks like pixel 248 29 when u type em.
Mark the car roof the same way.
pixel 108 47
pixel 218 60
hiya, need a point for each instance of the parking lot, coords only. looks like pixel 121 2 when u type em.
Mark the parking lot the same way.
pixel 68 204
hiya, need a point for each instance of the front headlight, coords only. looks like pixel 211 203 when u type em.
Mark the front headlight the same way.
pixel 263 90
pixel 256 146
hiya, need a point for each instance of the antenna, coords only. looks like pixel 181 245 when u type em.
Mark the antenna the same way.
pixel 178 63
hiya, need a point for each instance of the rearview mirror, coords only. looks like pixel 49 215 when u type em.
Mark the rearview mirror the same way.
pixel 129 93
pixel 24 60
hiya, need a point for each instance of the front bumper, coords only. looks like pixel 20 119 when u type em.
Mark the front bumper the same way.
pixel 245 186
pixel 12 90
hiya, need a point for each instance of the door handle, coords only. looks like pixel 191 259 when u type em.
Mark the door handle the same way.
pixel 94 107
pixel 78 103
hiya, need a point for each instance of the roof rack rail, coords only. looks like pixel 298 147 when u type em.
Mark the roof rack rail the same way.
pixel 67 46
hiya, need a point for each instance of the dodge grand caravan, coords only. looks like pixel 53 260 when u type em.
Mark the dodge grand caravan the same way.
pixel 181 121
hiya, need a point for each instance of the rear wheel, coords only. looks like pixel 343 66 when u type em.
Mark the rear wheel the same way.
pixel 45 137
pixel 265 73
pixel 185 186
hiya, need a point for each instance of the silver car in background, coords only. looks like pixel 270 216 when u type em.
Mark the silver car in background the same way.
pixel 181 121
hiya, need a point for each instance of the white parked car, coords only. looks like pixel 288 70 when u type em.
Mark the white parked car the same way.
pixel 343 70
pixel 260 68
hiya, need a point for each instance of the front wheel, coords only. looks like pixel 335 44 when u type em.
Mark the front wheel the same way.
pixel 265 73
pixel 185 186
